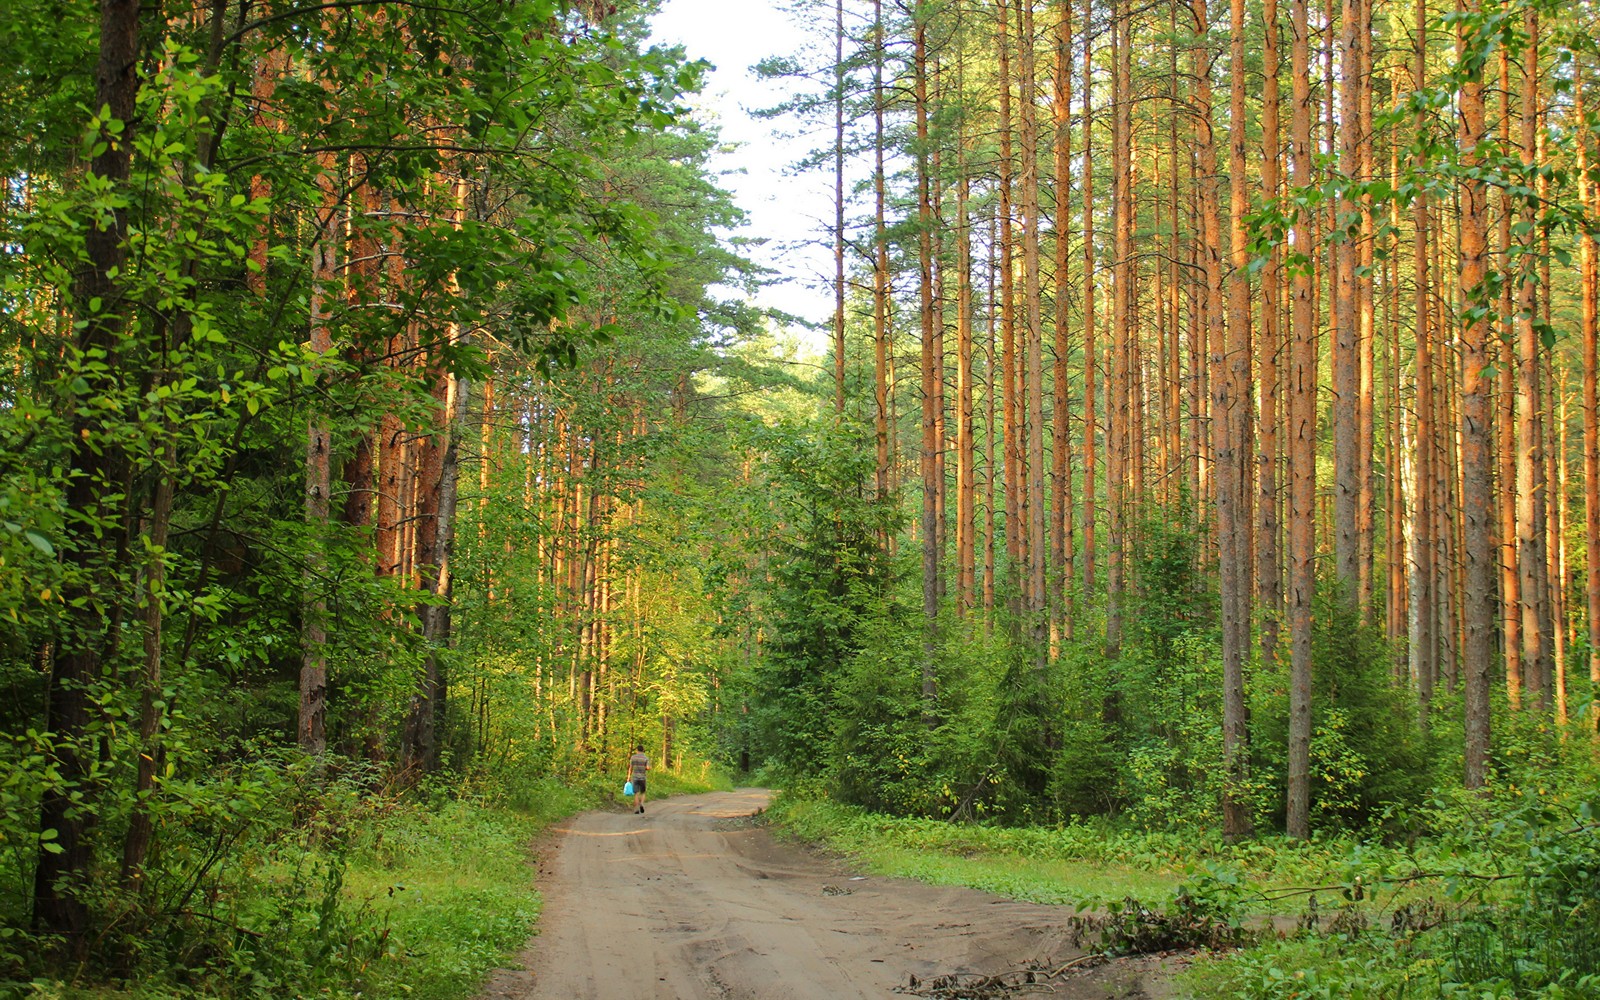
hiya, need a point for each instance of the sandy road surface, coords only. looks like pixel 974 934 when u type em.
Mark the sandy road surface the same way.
pixel 688 902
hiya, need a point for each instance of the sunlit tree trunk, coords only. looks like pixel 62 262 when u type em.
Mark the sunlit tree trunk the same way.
pixel 1549 496
pixel 1424 595
pixel 941 428
pixel 1032 383
pixel 1588 266
pixel 1530 457
pixel 1345 322
pixel 966 479
pixel 989 423
pixel 436 515
pixel 1398 492
pixel 1556 534
pixel 1228 312
pixel 1269 575
pixel 1476 505
pixel 1448 303
pixel 1365 321
pixel 838 206
pixel 1015 531
pixel 1506 431
pixel 932 374
pixel 1090 349
pixel 1061 447
pixel 880 270
pixel 1121 315
pixel 1178 459
pixel 1163 390
pixel 263 83
pixel 1204 475
pixel 1302 446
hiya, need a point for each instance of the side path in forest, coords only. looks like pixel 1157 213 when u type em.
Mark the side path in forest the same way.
pixel 694 900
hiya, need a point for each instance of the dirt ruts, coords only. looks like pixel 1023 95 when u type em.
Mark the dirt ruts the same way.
pixel 686 901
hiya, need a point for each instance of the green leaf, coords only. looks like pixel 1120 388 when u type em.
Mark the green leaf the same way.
pixel 40 542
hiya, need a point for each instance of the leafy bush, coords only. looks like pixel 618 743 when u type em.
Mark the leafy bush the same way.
pixel 1168 683
pixel 1206 914
pixel 1521 881
pixel 1546 933
pixel 1084 777
pixel 834 571
pixel 1366 750
pixel 886 754
pixel 280 875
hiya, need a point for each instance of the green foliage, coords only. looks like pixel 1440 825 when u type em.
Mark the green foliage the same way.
pixel 1087 770
pixel 883 754
pixel 450 885
pixel 1545 933
pixel 1061 865
pixel 1167 780
pixel 1166 686
pixel 1207 915
pixel 832 569
pixel 501 211
pixel 1510 911
pixel 887 754
pixel 1366 750
pixel 1174 603
pixel 366 894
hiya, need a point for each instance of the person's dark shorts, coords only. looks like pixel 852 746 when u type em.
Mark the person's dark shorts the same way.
pixel 638 786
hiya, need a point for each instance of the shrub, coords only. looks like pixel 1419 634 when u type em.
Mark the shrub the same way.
pixel 1366 750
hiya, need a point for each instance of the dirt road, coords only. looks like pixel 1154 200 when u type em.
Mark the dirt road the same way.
pixel 690 901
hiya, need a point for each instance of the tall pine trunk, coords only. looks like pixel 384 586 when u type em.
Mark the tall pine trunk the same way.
pixel 1302 445
pixel 966 478
pixel 880 269
pixel 1033 340
pixel 839 235
pixel 932 375
pixel 1269 574
pixel 1345 371
pixel 1232 369
pixel 1424 595
pixel 313 628
pixel 1530 446
pixel 1091 357
pixel 1589 286
pixel 1011 446
pixel 1478 612
pixel 1061 447
pixel 1121 317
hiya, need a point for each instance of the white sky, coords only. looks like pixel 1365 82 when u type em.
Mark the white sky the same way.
pixel 786 208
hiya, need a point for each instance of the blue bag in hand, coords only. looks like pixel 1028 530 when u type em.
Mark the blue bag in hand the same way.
pixel 627 789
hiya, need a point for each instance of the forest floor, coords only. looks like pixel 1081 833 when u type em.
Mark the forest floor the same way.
pixel 693 899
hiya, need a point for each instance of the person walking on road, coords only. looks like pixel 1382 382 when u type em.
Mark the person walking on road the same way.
pixel 638 764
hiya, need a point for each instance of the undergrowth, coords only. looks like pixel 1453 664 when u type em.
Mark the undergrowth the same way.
pixel 350 890
pixel 369 895
pixel 1495 897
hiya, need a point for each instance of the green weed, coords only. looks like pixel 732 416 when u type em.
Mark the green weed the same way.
pixel 1041 865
